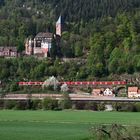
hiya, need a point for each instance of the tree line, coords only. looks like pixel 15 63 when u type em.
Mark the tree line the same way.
pixel 66 103
pixel 108 42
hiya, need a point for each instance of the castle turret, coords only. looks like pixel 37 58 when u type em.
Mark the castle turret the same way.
pixel 28 47
pixel 59 27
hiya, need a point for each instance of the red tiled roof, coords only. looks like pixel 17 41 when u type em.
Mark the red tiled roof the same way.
pixel 44 35
pixel 98 91
pixel 132 89
pixel 8 48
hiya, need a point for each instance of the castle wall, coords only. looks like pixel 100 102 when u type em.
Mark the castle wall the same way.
pixel 37 50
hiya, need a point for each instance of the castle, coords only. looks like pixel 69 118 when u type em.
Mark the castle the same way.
pixel 6 51
pixel 42 43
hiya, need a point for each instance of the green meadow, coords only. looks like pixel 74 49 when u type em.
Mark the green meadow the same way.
pixel 59 125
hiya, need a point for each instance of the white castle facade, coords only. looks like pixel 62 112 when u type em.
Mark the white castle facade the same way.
pixel 42 42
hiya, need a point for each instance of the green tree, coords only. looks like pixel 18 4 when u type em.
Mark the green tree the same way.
pixel 53 50
pixel 78 49
pixel 50 104
pixel 66 103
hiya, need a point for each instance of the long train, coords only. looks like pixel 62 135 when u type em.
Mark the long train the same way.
pixel 77 83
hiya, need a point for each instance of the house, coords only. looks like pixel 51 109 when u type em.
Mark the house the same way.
pixel 41 44
pixel 8 52
pixel 133 92
pixel 108 92
pixel 96 92
pixel 102 92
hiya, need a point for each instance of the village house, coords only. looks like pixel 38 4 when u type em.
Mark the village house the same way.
pixel 108 92
pixel 96 92
pixel 133 92
pixel 102 92
pixel 41 44
pixel 8 52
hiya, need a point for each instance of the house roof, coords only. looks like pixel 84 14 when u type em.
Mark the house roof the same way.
pixel 8 48
pixel 96 90
pixel 1 48
pixel 44 35
pixel 139 91
pixel 132 89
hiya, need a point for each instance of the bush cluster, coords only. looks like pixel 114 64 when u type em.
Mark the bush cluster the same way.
pixel 114 132
pixel 89 106
pixel 35 104
pixel 30 104
pixel 66 103
pixel 127 107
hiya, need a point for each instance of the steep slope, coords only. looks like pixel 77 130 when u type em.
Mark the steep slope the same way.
pixel 105 32
pixel 74 10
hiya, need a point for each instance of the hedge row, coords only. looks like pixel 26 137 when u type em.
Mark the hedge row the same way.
pixel 51 104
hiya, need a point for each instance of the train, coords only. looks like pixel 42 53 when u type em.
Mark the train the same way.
pixel 76 83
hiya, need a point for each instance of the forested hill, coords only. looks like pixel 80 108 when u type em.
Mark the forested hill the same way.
pixel 104 32
pixel 22 18
pixel 75 10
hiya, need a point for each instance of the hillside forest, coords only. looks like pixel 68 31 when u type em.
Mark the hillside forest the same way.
pixel 103 37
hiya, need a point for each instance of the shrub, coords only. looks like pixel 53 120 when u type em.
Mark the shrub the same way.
pixel 29 104
pixel 80 105
pixel 9 104
pixel 50 104
pixel 66 103
pixel 89 106
pixel 14 87
pixel 127 107
pixel 137 107
pixel 117 106
pixel 21 105
pixel 101 107
pixel 114 132
pixel 94 106
pixel 36 104
pixel 1 104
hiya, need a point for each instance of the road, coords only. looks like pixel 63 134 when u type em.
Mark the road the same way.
pixel 74 97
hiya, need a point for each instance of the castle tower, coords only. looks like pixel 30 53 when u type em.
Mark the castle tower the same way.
pixel 28 47
pixel 58 27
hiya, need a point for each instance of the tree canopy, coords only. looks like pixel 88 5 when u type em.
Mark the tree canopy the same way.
pixel 104 33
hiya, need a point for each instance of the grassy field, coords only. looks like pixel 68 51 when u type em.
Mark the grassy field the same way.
pixel 49 125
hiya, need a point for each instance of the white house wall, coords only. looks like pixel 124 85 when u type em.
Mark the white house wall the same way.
pixel 37 50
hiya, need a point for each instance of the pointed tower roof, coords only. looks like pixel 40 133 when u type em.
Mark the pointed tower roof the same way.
pixel 58 26
pixel 59 20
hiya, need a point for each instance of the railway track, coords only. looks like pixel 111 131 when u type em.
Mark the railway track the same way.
pixel 73 97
